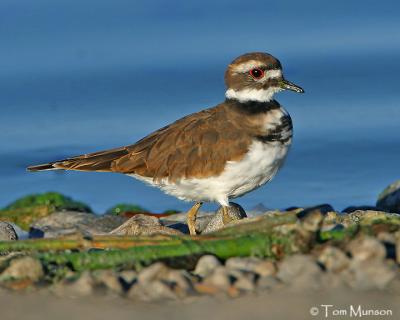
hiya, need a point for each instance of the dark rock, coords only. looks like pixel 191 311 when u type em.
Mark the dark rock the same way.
pixel 363 208
pixel 389 199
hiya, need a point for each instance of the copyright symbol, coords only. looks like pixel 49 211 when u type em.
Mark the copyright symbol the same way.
pixel 314 311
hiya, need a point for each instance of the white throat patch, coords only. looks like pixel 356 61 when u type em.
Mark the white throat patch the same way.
pixel 260 95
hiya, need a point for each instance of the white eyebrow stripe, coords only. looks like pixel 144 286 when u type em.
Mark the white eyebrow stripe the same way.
pixel 271 74
pixel 246 66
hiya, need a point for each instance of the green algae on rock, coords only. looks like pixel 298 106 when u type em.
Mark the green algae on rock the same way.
pixel 26 210
pixel 122 208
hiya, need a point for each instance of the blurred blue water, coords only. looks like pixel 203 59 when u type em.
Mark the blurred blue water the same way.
pixel 78 77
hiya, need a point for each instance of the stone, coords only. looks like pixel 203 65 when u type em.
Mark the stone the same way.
pixel 300 271
pixel 366 248
pixel 235 212
pixel 389 199
pixel 268 283
pixel 251 264
pixel 152 292
pixel 219 278
pixel 127 278
pixel 369 275
pixel 245 282
pixel 23 268
pixel 81 287
pixel 109 279
pixel 158 282
pixel 333 259
pixel 206 265
pixel 65 223
pixel 143 225
pixel 7 232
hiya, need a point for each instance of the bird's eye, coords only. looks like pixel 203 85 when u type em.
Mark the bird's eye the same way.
pixel 257 73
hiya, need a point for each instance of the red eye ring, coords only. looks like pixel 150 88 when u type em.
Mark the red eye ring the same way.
pixel 257 73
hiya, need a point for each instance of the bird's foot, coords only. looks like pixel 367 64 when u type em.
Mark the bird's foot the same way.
pixel 226 218
pixel 191 218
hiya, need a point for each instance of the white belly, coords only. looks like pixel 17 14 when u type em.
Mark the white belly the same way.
pixel 239 177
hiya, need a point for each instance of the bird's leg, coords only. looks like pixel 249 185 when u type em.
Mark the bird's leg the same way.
pixel 191 218
pixel 225 215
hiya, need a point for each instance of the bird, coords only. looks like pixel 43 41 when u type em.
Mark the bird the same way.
pixel 214 155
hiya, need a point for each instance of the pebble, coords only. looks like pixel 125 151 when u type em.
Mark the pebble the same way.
pixel 206 265
pixel 235 212
pixel 143 225
pixel 333 259
pixel 23 268
pixel 367 275
pixel 219 278
pixel 366 248
pixel 268 283
pixel 300 271
pixel 246 282
pixel 7 232
pixel 252 264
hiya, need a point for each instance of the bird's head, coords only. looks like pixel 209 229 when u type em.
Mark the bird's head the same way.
pixel 256 77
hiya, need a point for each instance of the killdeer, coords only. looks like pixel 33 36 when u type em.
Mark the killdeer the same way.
pixel 213 155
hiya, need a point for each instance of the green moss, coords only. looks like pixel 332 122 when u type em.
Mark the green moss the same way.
pixel 54 200
pixel 121 208
pixel 28 209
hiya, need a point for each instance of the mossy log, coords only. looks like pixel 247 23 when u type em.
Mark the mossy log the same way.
pixel 273 236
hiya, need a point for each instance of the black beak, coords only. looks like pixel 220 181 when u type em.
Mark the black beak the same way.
pixel 287 85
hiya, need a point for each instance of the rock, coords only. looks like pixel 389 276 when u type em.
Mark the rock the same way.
pixel 81 287
pixel 153 291
pixel 26 210
pixel 158 282
pixel 389 199
pixel 235 212
pixel 206 265
pixel 367 275
pixel 251 264
pixel 65 223
pixel 109 279
pixel 333 259
pixel 311 218
pixel 23 268
pixel 143 225
pixel 7 232
pixel 300 271
pixel 268 283
pixel 127 278
pixel 219 279
pixel 246 282
pixel 366 248
pixel 361 208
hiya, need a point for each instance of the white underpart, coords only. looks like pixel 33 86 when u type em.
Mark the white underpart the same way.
pixel 257 167
pixel 261 95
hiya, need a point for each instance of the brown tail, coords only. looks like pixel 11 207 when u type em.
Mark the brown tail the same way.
pixel 98 161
